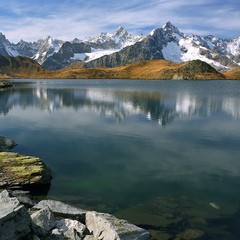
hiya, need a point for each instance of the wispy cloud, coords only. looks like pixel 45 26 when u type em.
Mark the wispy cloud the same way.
pixel 30 20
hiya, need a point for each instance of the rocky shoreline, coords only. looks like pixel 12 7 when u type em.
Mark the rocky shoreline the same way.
pixel 23 219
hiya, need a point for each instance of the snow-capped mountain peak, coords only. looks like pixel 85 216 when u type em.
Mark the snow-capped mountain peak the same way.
pixel 117 40
pixel 170 28
pixel 166 42
pixel 7 48
pixel 46 46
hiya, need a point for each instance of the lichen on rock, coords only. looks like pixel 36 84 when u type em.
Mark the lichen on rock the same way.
pixel 20 171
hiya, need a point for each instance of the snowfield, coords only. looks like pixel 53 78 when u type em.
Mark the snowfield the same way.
pixel 97 53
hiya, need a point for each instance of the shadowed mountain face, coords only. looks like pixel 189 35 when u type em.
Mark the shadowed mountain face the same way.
pixel 22 67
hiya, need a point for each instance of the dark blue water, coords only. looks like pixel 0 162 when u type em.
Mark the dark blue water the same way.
pixel 129 147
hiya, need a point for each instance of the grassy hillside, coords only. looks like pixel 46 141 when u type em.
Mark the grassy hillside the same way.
pixel 234 74
pixel 154 69
pixel 22 67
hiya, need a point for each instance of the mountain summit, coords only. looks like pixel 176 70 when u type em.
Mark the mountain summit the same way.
pixel 120 47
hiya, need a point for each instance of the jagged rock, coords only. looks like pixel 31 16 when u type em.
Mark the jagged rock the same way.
pixel 71 229
pixel 20 171
pixel 14 219
pixel 62 209
pixel 107 227
pixel 4 194
pixel 43 221
pixel 5 143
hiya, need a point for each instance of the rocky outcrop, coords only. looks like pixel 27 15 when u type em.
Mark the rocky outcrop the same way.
pixel 193 70
pixel 24 172
pixel 19 221
pixel 6 143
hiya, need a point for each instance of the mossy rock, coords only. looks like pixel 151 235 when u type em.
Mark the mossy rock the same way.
pixel 20 171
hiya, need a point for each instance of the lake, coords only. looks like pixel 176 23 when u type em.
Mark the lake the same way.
pixel 162 154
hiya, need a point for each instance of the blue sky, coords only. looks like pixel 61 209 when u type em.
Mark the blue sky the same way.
pixel 67 19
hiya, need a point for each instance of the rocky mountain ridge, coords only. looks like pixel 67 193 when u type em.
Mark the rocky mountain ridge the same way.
pixel 120 47
pixel 56 54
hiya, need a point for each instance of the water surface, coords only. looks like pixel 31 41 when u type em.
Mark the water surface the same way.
pixel 121 146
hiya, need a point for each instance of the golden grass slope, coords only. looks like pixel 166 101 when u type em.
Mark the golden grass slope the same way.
pixel 233 74
pixel 153 69
pixel 22 67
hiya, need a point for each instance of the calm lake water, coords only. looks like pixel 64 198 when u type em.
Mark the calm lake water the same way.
pixel 162 154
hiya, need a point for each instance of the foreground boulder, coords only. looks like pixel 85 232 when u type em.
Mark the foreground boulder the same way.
pixel 20 171
pixel 18 222
pixel 14 218
pixel 107 227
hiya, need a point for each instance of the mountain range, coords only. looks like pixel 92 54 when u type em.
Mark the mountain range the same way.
pixel 120 47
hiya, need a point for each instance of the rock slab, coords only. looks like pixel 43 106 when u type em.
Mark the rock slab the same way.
pixel 14 219
pixel 62 209
pixel 107 227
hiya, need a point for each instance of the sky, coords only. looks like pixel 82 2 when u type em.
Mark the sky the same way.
pixel 31 20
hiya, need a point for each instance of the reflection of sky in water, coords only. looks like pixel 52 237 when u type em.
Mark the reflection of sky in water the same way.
pixel 106 142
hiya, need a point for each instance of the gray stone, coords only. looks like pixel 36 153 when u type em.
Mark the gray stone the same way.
pixel 4 194
pixel 20 193
pixel 62 209
pixel 106 227
pixel 14 219
pixel 43 221
pixel 71 229
pixel 90 237
pixel 26 201
pixel 6 144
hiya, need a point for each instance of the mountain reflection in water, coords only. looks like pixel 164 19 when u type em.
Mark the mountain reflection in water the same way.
pixel 118 104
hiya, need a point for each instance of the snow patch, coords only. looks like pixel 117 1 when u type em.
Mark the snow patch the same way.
pixel 172 52
pixel 97 53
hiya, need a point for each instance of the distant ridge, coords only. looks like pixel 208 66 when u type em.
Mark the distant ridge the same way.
pixel 22 67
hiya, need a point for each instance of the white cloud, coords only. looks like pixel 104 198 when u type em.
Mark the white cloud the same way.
pixel 82 19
